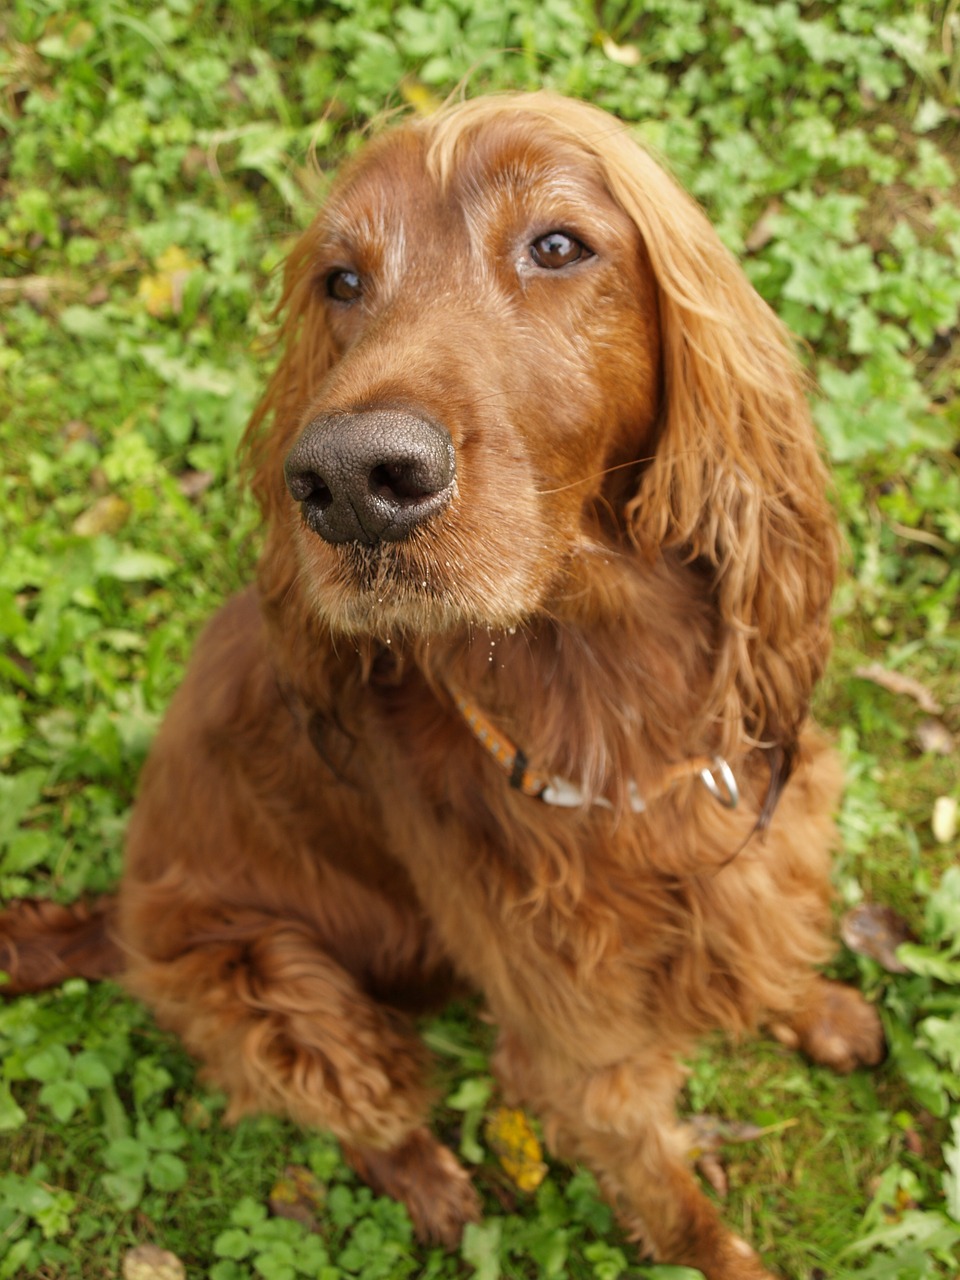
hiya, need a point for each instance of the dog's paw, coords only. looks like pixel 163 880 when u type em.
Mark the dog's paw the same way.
pixel 426 1177
pixel 745 1265
pixel 442 1205
pixel 836 1027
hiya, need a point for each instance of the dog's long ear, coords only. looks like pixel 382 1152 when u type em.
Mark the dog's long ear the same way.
pixel 736 482
pixel 306 355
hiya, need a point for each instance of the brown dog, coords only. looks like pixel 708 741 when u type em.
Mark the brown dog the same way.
pixel 520 700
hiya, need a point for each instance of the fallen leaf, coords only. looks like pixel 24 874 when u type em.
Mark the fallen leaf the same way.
pixel 299 1195
pixel 761 233
pixel 162 294
pixel 896 682
pixel 875 931
pixel 193 484
pixel 934 737
pixel 913 1142
pixel 710 1167
pixel 625 55
pixel 709 1133
pixel 107 515
pixel 515 1145
pixel 419 97
pixel 149 1262
pixel 76 429
pixel 944 819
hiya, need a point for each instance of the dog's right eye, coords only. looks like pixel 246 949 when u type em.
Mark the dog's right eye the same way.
pixel 344 286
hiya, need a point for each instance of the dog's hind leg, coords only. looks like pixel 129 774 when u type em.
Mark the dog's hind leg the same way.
pixel 43 943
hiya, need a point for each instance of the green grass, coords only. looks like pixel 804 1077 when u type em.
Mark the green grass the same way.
pixel 156 163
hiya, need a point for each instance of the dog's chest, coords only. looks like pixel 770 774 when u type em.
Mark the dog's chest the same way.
pixel 535 914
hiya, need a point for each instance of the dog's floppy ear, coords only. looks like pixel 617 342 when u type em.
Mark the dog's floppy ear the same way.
pixel 736 481
pixel 307 354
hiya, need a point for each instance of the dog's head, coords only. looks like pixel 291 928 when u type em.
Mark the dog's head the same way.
pixel 514 351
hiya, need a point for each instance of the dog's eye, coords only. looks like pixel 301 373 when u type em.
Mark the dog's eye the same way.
pixel 557 249
pixel 344 286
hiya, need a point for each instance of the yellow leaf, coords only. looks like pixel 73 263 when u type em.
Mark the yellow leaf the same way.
pixel 299 1195
pixel 162 294
pixel 515 1145
pixel 419 97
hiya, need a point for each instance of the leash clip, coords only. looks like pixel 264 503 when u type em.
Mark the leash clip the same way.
pixel 725 791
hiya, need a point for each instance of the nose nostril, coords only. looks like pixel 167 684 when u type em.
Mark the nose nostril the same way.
pixel 321 497
pixel 307 486
pixel 398 482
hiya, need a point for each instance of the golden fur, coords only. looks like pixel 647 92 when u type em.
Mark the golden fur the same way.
pixel 633 572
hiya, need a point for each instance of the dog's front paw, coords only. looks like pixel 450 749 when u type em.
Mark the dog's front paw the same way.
pixel 426 1177
pixel 444 1201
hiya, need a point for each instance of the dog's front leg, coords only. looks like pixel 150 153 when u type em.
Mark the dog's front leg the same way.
pixel 620 1121
pixel 280 1026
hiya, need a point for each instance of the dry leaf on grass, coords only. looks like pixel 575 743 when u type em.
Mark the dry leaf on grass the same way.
pixel 107 515
pixel 150 1262
pixel 708 1133
pixel 944 819
pixel 299 1195
pixel 761 233
pixel 934 737
pixel 897 682
pixel 625 55
pixel 162 294
pixel 193 484
pixel 711 1170
pixel 875 931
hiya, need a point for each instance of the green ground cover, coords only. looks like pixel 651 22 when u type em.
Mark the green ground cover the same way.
pixel 155 162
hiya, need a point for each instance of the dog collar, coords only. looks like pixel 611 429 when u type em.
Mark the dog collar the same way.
pixel 714 772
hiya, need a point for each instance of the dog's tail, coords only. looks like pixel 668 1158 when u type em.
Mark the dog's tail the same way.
pixel 42 943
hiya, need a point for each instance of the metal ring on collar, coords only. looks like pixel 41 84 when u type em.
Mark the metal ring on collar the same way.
pixel 725 791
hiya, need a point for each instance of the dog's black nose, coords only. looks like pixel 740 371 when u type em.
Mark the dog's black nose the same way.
pixel 370 477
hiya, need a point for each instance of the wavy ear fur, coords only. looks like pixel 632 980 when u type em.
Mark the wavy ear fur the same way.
pixel 307 354
pixel 736 481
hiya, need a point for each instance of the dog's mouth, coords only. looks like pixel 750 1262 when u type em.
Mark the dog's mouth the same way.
pixel 424 585
pixel 384 568
pixel 389 588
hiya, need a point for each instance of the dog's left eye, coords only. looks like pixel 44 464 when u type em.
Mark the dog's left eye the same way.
pixel 557 249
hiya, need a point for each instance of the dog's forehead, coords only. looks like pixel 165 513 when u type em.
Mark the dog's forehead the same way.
pixel 385 186
pixel 414 177
pixel 519 156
